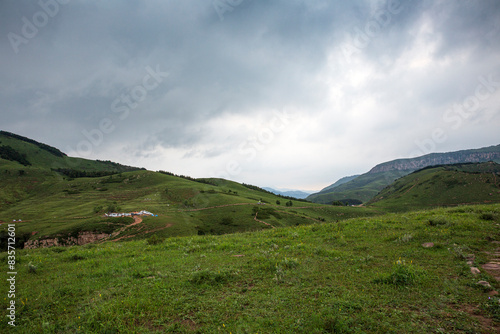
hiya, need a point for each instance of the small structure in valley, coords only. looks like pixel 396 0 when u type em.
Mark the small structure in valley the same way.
pixel 129 214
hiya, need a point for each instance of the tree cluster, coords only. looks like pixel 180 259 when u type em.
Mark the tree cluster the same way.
pixel 8 153
pixel 204 181
pixel 73 173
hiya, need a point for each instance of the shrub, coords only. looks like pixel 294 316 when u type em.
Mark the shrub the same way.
pixel 75 257
pixel 154 240
pixel 58 249
pixel 113 207
pixel 209 277
pixel 487 216
pixel 438 221
pixel 32 268
pixel 227 221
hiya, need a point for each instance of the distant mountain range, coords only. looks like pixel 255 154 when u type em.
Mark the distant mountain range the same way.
pixel 362 188
pixel 290 193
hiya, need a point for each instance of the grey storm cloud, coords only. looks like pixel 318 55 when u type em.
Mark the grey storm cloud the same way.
pixel 76 72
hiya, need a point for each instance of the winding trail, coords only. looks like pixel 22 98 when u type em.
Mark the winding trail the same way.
pixel 137 221
pixel 260 221
pixel 214 207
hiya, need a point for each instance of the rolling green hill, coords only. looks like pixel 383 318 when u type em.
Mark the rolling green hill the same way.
pixel 359 190
pixel 442 186
pixel 366 186
pixel 46 157
pixel 338 183
pixel 58 197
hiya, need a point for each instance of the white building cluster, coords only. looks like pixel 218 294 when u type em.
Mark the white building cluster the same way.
pixel 130 214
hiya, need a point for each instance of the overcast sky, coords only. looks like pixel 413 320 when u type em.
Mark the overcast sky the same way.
pixel 285 93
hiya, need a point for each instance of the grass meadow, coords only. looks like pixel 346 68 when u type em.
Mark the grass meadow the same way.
pixel 358 275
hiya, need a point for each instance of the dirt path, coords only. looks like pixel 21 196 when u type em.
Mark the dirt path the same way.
pixel 260 221
pixel 159 228
pixel 137 221
pixel 215 207
pixel 416 182
pixel 493 266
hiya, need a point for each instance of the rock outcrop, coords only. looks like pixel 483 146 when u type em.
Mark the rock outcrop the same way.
pixel 82 239
pixel 487 154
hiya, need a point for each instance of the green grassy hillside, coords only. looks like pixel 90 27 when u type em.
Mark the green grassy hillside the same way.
pixel 338 183
pixel 442 186
pixel 57 196
pixel 364 275
pixel 43 156
pixel 361 188
pixel 50 205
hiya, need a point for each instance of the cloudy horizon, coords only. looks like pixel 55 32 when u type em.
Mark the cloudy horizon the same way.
pixel 283 94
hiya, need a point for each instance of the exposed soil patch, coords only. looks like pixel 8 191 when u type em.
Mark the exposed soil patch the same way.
pixel 159 229
pixel 137 221
pixel 82 239
pixel 486 323
pixel 493 267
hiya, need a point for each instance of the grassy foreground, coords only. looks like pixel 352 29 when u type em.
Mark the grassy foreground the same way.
pixel 363 275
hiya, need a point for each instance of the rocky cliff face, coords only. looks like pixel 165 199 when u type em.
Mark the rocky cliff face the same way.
pixel 437 159
pixel 82 239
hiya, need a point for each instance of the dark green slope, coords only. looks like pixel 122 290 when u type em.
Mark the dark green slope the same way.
pixel 338 183
pixel 44 156
pixel 472 183
pixel 364 187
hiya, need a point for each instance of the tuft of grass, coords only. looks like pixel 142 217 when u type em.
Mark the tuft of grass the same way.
pixel 405 238
pixel 210 277
pixel 75 257
pixel 460 252
pixel 32 269
pixel 403 274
